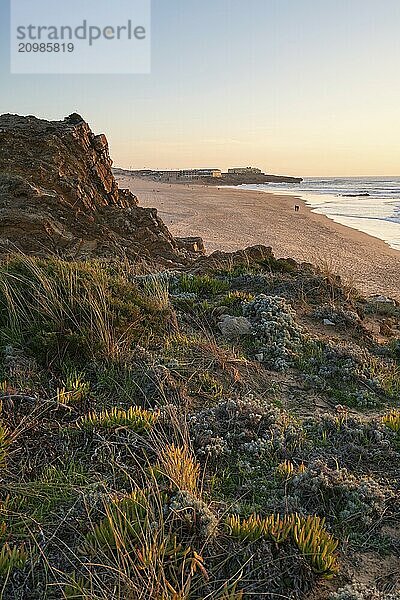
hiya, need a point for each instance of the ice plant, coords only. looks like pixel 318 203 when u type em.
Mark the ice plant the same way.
pixel 392 420
pixel 250 529
pixel 316 544
pixel 136 418
pixel 308 533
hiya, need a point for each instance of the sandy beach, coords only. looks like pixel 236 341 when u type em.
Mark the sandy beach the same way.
pixel 230 219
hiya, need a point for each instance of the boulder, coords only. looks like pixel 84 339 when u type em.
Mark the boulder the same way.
pixel 191 244
pixel 234 327
pixel 379 299
pixel 329 323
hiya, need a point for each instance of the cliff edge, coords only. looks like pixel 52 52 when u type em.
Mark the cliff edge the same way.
pixel 58 195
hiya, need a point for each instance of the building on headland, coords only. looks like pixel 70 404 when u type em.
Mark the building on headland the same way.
pixel 245 171
pixel 198 173
pixel 234 176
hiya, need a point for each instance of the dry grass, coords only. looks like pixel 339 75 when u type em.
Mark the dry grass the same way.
pixel 156 288
pixel 179 467
pixel 68 301
pixel 334 267
pixel 64 307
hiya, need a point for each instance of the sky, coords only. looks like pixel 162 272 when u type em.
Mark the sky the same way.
pixel 296 87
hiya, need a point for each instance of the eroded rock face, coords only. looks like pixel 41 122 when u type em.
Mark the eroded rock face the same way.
pixel 58 195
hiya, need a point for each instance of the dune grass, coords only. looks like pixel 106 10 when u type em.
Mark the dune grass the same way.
pixel 74 309
pixel 144 457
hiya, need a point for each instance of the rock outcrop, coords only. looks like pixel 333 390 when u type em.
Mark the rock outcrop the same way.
pixel 249 179
pixel 220 259
pixel 191 244
pixel 58 195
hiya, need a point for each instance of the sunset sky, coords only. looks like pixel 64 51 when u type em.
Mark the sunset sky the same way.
pixel 299 87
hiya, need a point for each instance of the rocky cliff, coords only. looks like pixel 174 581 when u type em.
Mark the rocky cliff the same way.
pixel 251 179
pixel 58 195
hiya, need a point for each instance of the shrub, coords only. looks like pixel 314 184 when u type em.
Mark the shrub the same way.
pixel 332 362
pixel 280 265
pixel 245 429
pixel 338 316
pixel 191 516
pixel 202 285
pixel 350 373
pixel 351 440
pixel 276 334
pixel 339 495
pixel 243 441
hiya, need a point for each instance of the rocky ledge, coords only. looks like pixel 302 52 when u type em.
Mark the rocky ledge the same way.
pixel 58 195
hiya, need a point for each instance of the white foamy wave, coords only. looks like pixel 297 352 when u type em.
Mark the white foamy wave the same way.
pixel 369 204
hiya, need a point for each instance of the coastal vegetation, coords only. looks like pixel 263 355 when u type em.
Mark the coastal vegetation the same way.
pixel 228 431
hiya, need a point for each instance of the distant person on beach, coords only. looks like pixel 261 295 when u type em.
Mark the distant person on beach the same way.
pixel 296 208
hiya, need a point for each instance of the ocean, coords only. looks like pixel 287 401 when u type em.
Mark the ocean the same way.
pixel 369 204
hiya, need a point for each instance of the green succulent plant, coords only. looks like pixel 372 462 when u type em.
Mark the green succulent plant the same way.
pixel 75 389
pixel 10 557
pixel 316 544
pixel 250 529
pixel 135 417
pixel 392 420
pixel 308 534
pixel 123 525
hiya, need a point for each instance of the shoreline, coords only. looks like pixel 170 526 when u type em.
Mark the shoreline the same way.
pixel 229 222
pixel 308 198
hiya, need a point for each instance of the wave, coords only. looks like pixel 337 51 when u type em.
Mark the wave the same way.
pixel 369 204
pixel 392 219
